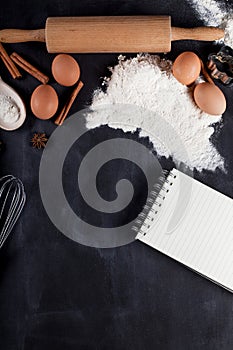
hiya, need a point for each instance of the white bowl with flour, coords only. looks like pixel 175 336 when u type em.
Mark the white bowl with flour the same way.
pixel 12 108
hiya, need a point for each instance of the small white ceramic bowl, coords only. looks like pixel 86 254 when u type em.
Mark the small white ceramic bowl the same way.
pixel 10 92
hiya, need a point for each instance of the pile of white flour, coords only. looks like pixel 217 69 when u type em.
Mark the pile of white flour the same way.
pixel 146 81
pixel 9 112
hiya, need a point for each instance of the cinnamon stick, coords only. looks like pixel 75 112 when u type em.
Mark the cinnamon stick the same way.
pixel 205 73
pixel 9 63
pixel 36 73
pixel 63 114
pixel 8 66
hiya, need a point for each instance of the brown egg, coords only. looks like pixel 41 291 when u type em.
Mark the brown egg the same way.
pixel 65 70
pixel 210 98
pixel 186 68
pixel 44 102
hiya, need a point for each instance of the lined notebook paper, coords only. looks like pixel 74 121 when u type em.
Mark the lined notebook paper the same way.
pixel 192 224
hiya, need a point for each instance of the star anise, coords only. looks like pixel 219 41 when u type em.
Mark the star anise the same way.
pixel 39 140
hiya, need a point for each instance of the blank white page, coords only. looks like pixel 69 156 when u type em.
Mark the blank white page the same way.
pixel 203 237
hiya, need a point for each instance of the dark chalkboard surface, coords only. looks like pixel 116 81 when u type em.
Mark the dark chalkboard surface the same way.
pixel 58 294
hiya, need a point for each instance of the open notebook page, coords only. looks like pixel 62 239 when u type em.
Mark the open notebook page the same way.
pixel 203 237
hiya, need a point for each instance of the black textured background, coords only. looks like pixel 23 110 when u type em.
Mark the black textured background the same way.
pixel 56 294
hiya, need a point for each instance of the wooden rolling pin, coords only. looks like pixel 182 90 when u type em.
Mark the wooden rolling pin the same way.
pixel 110 34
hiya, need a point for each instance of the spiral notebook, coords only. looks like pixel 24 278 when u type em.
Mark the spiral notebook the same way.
pixel 191 223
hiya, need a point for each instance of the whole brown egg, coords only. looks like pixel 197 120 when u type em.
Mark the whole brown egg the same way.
pixel 186 68
pixel 65 70
pixel 44 102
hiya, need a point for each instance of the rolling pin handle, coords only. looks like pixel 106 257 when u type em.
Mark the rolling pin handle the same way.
pixel 21 35
pixel 198 33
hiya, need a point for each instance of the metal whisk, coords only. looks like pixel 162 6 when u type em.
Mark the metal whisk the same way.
pixel 12 200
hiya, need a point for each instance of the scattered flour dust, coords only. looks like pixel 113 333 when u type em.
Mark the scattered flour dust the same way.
pixel 146 81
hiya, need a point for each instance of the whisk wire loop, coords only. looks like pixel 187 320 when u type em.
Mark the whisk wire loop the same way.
pixel 12 200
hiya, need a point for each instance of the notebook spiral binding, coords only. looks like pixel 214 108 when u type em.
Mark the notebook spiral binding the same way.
pixel 155 200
